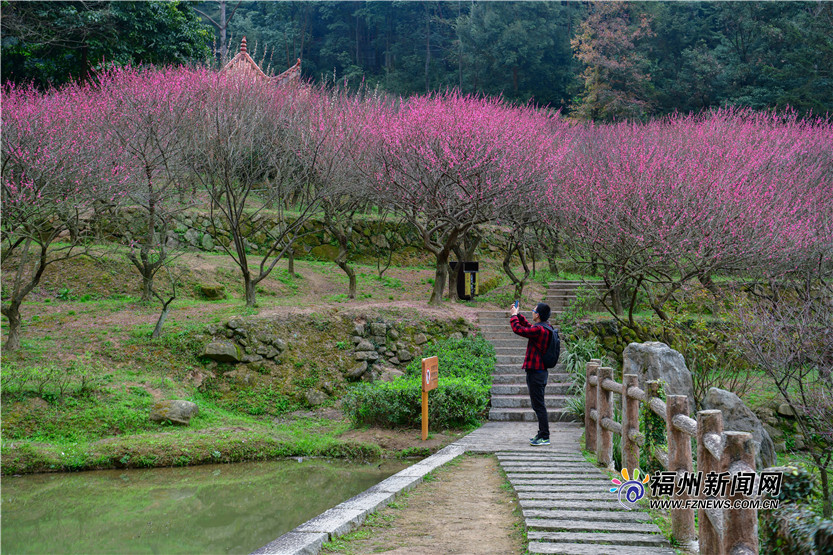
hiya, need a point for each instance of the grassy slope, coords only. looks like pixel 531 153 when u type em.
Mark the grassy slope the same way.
pixel 84 322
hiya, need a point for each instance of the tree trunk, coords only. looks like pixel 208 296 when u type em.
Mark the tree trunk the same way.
pixel 439 278
pixel 160 322
pixel 341 261
pixel 827 509
pixel 251 299
pixel 12 312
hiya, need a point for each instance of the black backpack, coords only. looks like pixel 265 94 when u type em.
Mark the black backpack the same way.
pixel 553 347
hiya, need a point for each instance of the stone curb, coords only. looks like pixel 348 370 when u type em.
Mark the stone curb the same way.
pixel 309 537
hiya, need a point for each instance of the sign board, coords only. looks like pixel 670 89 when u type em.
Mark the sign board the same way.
pixel 430 367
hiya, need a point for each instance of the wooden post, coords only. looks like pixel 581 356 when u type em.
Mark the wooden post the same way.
pixel 679 461
pixel 709 454
pixel 740 526
pixel 630 423
pixel 591 368
pixel 424 415
pixel 604 437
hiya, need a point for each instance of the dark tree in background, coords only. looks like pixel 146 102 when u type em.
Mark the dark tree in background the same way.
pixel 650 58
pixel 50 43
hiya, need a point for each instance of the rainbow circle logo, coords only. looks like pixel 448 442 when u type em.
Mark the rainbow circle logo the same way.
pixel 630 490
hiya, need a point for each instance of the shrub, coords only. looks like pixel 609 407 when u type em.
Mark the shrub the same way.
pixel 457 402
pixel 470 358
pixel 465 367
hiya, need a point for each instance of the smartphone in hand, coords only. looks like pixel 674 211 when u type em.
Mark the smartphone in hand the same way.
pixel 517 302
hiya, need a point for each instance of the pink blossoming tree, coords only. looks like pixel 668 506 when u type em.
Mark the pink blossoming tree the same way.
pixel 54 169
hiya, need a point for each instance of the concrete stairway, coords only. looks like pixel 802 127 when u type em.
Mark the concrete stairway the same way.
pixel 566 501
pixel 562 293
pixel 569 509
pixel 510 395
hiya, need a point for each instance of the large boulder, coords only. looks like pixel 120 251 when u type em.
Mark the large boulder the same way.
pixel 178 412
pixel 223 351
pixel 737 417
pixel 657 361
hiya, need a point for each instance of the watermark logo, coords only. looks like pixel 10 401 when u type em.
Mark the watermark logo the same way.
pixel 630 490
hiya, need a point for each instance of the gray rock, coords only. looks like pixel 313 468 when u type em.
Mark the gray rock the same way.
pixel 315 397
pixel 367 355
pixel 193 237
pixel 252 358
pixel 420 339
pixel 356 372
pixel 389 353
pixel 207 242
pixel 739 418
pixel 404 356
pixel 774 433
pixel 267 351
pixel 390 374
pixel 236 323
pixel 784 409
pixel 657 361
pixel 358 329
pixel 178 412
pixel 267 338
pixel 212 329
pixel 799 443
pixel 223 351
pixel 379 339
pixel 240 376
pixel 328 387
pixel 365 345
pixel 393 334
pixel 394 361
pixel 356 339
pixel 213 292
pixel 229 333
pixel 780 445
pixel 279 344
pixel 456 335
pixel 378 328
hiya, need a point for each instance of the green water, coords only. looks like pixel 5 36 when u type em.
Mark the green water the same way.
pixel 204 509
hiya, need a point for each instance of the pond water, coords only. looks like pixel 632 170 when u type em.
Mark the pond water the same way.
pixel 203 509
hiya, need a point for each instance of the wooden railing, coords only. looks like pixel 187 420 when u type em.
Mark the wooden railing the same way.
pixel 721 531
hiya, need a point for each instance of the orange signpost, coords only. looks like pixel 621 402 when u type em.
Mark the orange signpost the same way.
pixel 430 367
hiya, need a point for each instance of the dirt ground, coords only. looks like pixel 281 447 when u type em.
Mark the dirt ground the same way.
pixel 465 509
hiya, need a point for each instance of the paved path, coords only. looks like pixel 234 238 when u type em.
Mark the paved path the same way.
pixel 566 502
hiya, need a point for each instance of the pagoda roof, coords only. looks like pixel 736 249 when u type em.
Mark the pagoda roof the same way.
pixel 243 64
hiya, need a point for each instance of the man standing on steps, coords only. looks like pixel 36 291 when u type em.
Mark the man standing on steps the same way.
pixel 536 372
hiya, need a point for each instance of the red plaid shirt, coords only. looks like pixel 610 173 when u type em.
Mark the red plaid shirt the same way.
pixel 539 338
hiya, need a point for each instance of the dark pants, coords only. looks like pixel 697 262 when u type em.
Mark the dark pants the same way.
pixel 536 381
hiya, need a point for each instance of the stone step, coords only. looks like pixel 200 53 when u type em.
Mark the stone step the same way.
pixel 511 350
pixel 523 401
pixel 521 389
pixel 579 504
pixel 567 525
pixel 551 467
pixel 546 479
pixel 513 342
pixel 560 369
pixel 510 359
pixel 595 549
pixel 613 539
pixel 622 515
pixel 537 456
pixel 564 491
pixel 526 415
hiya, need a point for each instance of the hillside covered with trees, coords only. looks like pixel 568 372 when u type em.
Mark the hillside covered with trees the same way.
pixel 599 61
